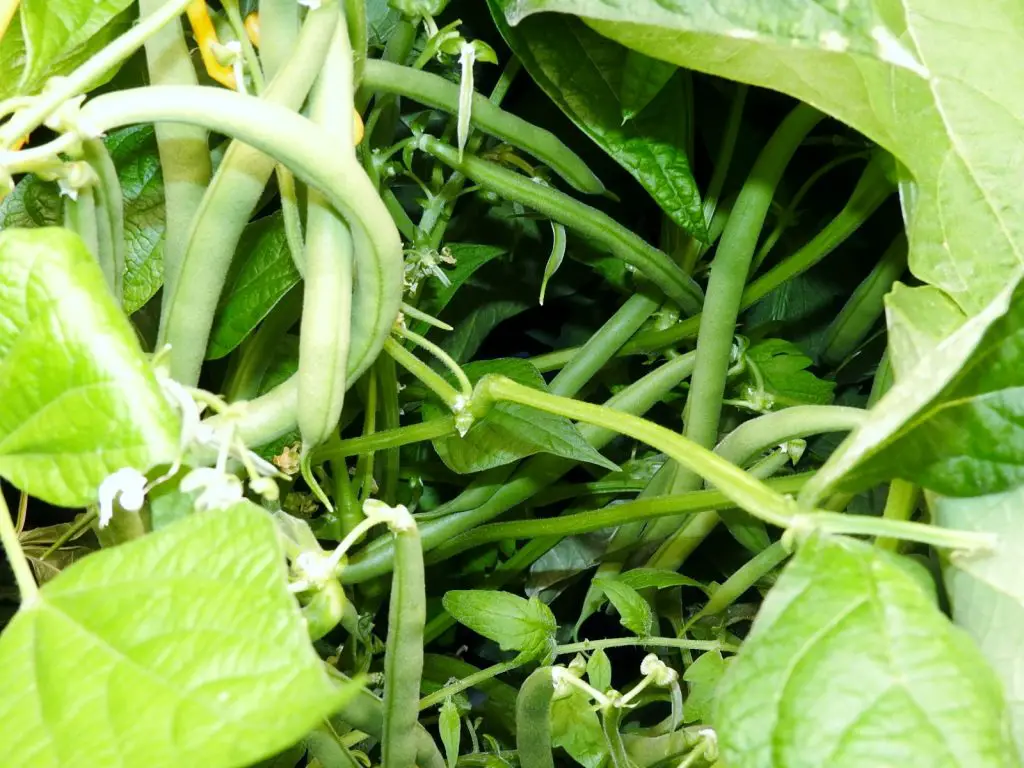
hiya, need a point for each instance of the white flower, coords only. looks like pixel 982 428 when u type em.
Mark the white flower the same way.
pixel 216 489
pixel 128 486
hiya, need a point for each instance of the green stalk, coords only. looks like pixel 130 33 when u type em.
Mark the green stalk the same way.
pixel 16 558
pixel 899 505
pixel 745 577
pixel 434 382
pixel 390 411
pixel 385 440
pixel 724 294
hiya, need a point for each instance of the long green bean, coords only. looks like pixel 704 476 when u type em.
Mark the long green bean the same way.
pixel 533 720
pixel 566 210
pixel 109 210
pixel 439 93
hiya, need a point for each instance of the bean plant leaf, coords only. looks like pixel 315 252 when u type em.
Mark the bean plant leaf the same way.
pixel 850 663
pixel 918 319
pixel 924 91
pixel 37 203
pixel 583 73
pixel 54 37
pixel 509 431
pixel 469 258
pixel 642 80
pixel 635 613
pixel 513 622
pixel 987 592
pixel 462 343
pixel 949 424
pixel 79 398
pixel 782 366
pixel 702 679
pixel 191 626
pixel 576 728
pixel 449 724
pixel 262 274
pixel 599 670
pixel 657 578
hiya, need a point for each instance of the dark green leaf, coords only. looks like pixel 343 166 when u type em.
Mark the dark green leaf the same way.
pixel 515 623
pixel 582 73
pixel 263 273
pixel 952 424
pixel 634 612
pixel 850 663
pixel 783 369
pixel 986 591
pixel 80 400
pixel 468 259
pixel 642 80
pixel 656 578
pixel 462 343
pixel 192 626
pixel 32 203
pixel 509 431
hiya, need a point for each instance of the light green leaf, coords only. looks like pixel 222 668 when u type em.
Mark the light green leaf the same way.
pixel 449 724
pixel 849 663
pixel 582 73
pixel 783 369
pixel 54 37
pixel 509 431
pixel 37 203
pixel 79 398
pixel 191 627
pixel 702 679
pixel 515 623
pixel 555 259
pixel 635 613
pixel 931 100
pixel 262 274
pixel 950 424
pixel 987 592
pixel 918 319
pixel 657 578
pixel 576 728
pixel 599 670
pixel 642 80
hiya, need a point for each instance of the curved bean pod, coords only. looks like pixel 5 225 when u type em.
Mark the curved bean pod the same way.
pixel 109 210
pixel 657 266
pixel 435 91
pixel 226 208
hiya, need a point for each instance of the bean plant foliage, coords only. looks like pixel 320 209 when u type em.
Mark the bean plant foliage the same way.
pixel 603 383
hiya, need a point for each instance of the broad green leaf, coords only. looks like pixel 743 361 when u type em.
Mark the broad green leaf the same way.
pixel 54 37
pixel 509 431
pixel 582 73
pixel 181 648
pixel 950 423
pixel 513 622
pixel 37 203
pixel 79 399
pixel 635 613
pixel 642 80
pixel 462 343
pixel 576 728
pixel 987 591
pixel 599 670
pixel 657 578
pixel 468 259
pixel 702 679
pixel 925 91
pixel 782 367
pixel 849 663
pixel 262 274
pixel 917 319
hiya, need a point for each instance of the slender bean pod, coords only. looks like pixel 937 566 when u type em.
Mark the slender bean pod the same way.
pixel 533 720
pixel 109 210
pixel 559 207
pixel 611 720
pixel 227 206
pixel 327 294
pixel 358 32
pixel 280 22
pixel 80 216
pixel 435 91
pixel 403 656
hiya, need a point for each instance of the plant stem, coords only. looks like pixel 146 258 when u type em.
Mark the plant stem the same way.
pixel 437 697
pixel 899 505
pixel 74 530
pixel 930 535
pixel 746 576
pixel 442 426
pixel 643 642
pixel 752 437
pixel 460 376
pixel 16 557
pixel 433 381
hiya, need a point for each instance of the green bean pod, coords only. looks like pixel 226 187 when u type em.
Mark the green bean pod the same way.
pixel 80 216
pixel 280 22
pixel 184 149
pixel 358 34
pixel 323 745
pixel 533 720
pixel 403 655
pixel 109 211
pixel 435 91
pixel 327 292
pixel 654 264
pixel 611 720
pixel 324 610
pixel 226 208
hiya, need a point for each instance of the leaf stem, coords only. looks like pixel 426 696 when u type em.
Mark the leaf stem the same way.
pixel 433 381
pixel 644 642
pixel 460 376
pixel 459 686
pixel 443 426
pixel 72 532
pixel 16 557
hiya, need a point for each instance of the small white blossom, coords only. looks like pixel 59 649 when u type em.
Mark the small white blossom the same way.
pixel 126 485
pixel 216 489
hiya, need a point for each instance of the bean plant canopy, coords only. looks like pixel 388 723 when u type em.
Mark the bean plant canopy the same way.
pixel 521 383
